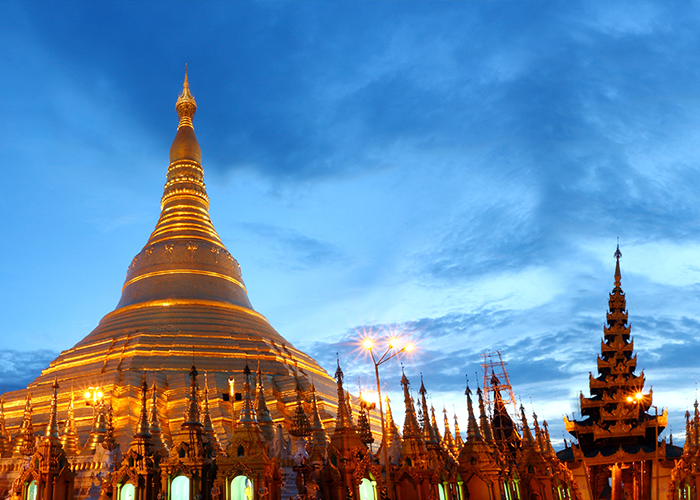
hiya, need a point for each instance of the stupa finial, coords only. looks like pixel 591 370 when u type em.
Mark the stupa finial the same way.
pixel 186 106
pixel 618 275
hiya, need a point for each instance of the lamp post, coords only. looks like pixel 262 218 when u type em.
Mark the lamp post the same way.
pixel 386 356
pixel 656 448
pixel 93 397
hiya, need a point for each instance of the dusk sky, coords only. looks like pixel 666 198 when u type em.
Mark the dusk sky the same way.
pixel 460 171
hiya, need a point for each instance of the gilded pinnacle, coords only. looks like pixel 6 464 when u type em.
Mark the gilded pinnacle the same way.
pixel 186 106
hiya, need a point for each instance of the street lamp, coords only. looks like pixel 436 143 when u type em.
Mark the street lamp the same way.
pixel 93 397
pixel 386 356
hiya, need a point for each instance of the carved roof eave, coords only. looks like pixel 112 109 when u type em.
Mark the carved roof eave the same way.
pixel 633 381
pixel 611 363
pixel 615 346
pixel 622 456
pixel 617 316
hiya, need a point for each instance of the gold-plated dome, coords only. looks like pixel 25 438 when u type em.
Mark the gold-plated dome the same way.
pixel 184 257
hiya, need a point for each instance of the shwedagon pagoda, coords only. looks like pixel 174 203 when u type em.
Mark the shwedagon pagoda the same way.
pixel 192 395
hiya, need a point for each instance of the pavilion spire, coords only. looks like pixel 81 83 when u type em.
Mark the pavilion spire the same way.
pixel 483 418
pixel 473 432
pixel 52 427
pixel 410 425
pixel 626 409
pixel 192 418
pixel 267 425
pixel 154 424
pixel 618 275
pixel 342 419
pixel 25 441
pixel 527 435
pixel 247 417
pixel 429 435
pixel 318 432
pixel 207 424
pixel 70 439
pixel 448 439
pixel 142 438
pixel 459 442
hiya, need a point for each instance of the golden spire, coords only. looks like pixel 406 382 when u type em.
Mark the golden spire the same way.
pixel 342 419
pixel 458 434
pixel 184 258
pixel 70 439
pixel 429 434
pixel 25 440
pixel 192 409
pixel 262 413
pixel 207 425
pixel 411 429
pixel 154 424
pixel 186 106
pixel 52 427
pixel 318 432
pixel 301 427
pixel 248 417
pixel 527 435
pixel 142 430
pixel 473 431
pixel 483 419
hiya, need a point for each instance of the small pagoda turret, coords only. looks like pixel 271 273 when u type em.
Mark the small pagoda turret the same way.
pixel 267 425
pixel 154 427
pixel 448 441
pixel 350 467
pixel 189 466
pixel 478 461
pixel 70 438
pixel 138 475
pixel 49 475
pixel 247 466
pixel 319 437
pixel 207 425
pixel 25 441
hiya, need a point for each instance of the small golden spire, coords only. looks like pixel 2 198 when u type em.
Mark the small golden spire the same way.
pixel 186 106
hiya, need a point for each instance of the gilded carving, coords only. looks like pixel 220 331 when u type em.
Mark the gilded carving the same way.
pixel 169 247
pixel 148 253
pixel 215 251
pixel 192 248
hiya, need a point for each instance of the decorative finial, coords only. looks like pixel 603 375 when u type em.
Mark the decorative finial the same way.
pixel 617 255
pixel 186 106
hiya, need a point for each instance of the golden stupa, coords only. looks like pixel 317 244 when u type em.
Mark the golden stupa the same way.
pixel 183 301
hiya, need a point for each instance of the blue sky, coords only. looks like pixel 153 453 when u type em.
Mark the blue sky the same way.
pixel 458 170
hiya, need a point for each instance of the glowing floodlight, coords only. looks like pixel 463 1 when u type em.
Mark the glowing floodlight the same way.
pixel 368 344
